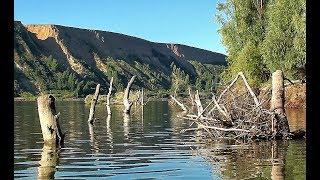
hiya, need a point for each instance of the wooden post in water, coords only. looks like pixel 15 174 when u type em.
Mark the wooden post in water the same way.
pixel 108 97
pixel 49 121
pixel 127 104
pixel 281 126
pixel 93 104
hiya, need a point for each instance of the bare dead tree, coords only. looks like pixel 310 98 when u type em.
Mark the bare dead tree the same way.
pixel 181 105
pixel 49 121
pixel 108 97
pixel 126 102
pixel 191 96
pixel 93 104
pixel 198 103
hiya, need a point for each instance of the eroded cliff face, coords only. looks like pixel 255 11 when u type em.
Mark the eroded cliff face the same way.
pixel 87 53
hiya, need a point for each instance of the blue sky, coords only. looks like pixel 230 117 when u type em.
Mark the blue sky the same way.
pixel 188 22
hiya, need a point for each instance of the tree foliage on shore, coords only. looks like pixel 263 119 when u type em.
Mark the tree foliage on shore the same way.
pixel 263 35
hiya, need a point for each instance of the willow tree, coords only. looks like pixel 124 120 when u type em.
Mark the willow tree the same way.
pixel 262 36
pixel 243 26
pixel 284 46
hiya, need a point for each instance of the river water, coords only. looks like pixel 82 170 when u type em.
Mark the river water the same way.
pixel 148 146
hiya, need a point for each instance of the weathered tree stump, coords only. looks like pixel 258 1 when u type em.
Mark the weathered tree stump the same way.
pixel 127 104
pixel 108 97
pixel 281 126
pixel 93 104
pixel 191 96
pixel 198 103
pixel 49 121
pixel 48 162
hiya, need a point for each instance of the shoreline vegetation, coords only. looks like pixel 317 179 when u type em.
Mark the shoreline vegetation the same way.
pixel 295 96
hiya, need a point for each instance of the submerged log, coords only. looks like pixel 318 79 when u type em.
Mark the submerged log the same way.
pixel 281 126
pixel 127 104
pixel 93 104
pixel 49 121
pixel 108 97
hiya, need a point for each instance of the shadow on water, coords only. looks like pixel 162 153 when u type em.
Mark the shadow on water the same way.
pixel 146 144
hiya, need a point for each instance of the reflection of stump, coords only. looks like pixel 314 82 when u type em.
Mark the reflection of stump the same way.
pixel 126 126
pixel 48 163
pixel 278 158
pixel 277 172
pixel 93 141
pixel 50 127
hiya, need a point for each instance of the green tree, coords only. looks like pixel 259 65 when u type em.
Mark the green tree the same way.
pixel 71 81
pixel 284 46
pixel 179 79
pixel 242 29
pixel 262 36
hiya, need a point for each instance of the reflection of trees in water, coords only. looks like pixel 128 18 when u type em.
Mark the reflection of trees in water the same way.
pixel 255 160
pixel 49 161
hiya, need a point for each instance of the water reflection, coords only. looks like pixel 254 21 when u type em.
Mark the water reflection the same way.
pixel 126 125
pixel 144 147
pixel 255 160
pixel 94 143
pixel 278 160
pixel 109 133
pixel 49 161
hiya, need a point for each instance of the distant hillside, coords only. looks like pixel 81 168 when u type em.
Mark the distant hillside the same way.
pixel 54 57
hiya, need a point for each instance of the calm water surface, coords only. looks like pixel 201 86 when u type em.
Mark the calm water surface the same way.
pixel 145 147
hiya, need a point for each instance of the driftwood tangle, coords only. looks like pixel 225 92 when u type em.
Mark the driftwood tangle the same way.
pixel 126 102
pixel 49 121
pixel 93 104
pixel 108 97
pixel 238 114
